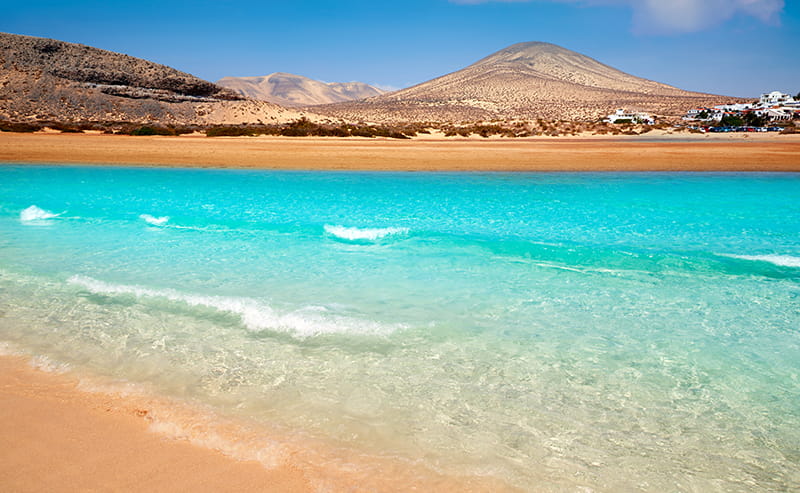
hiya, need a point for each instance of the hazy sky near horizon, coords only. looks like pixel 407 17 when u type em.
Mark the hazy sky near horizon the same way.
pixel 732 47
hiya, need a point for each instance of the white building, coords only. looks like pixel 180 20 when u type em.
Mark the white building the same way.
pixel 775 98
pixel 623 116
pixel 775 114
pixel 774 106
pixel 734 107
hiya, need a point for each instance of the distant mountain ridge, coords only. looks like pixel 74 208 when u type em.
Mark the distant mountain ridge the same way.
pixel 47 80
pixel 525 81
pixel 44 79
pixel 295 90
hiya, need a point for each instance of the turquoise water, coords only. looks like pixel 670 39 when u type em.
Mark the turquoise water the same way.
pixel 614 332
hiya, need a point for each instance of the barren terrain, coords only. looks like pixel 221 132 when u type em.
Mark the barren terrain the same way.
pixel 525 81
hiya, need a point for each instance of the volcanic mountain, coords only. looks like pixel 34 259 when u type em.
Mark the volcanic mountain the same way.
pixel 526 81
pixel 48 80
pixel 296 90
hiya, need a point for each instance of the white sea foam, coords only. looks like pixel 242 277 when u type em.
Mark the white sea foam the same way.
pixel 155 221
pixel 775 259
pixel 40 362
pixel 9 349
pixel 256 316
pixel 369 234
pixel 34 213
pixel 49 365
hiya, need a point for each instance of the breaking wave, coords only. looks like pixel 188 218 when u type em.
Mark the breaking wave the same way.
pixel 304 322
pixel 34 213
pixel 775 259
pixel 363 234
pixel 155 221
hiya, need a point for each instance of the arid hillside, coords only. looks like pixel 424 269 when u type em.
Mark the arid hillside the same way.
pixel 295 90
pixel 525 81
pixel 48 80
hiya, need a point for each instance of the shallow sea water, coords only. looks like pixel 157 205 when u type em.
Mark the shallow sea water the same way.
pixel 559 332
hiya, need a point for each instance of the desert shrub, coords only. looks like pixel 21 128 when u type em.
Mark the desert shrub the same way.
pixel 66 127
pixel 18 127
pixel 152 130
pixel 231 131
pixel 185 130
pixel 338 132
pixel 306 128
pixel 300 128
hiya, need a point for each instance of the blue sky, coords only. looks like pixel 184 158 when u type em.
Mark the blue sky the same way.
pixel 732 47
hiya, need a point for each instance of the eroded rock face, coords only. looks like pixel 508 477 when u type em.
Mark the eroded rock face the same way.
pixel 48 80
pixel 80 63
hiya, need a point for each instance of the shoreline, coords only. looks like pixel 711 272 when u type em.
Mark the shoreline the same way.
pixel 69 431
pixel 600 154
pixel 57 438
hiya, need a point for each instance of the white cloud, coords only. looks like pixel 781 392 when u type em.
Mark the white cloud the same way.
pixel 671 16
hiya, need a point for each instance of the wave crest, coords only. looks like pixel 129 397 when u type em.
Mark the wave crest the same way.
pixel 304 322
pixel 363 234
pixel 775 259
pixel 34 213
pixel 155 221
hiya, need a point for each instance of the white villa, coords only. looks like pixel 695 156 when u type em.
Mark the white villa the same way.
pixel 775 98
pixel 623 116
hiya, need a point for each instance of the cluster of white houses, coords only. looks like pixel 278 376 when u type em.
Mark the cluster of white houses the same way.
pixel 774 107
pixel 622 116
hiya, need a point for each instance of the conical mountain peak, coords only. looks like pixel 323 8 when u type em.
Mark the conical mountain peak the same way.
pixel 529 50
pixel 526 81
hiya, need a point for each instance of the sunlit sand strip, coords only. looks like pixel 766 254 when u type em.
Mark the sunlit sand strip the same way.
pixel 68 432
pixel 772 153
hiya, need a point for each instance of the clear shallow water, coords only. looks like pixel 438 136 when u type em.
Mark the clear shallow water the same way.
pixel 609 331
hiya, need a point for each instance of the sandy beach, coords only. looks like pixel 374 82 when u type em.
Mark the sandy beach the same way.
pixel 60 433
pixel 59 437
pixel 656 153
pixel 56 438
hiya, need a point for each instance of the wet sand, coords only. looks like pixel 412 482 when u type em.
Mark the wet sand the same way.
pixel 56 438
pixel 684 153
pixel 60 434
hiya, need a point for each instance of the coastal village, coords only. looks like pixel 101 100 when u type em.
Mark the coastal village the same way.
pixel 765 115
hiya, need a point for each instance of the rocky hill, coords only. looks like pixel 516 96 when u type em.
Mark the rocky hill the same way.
pixel 525 81
pixel 295 90
pixel 48 80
